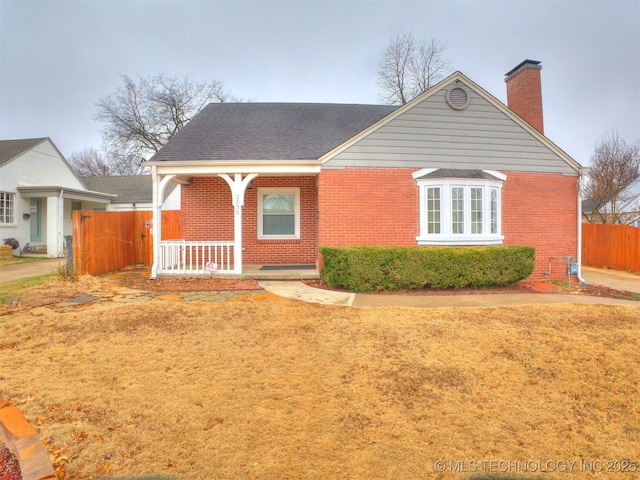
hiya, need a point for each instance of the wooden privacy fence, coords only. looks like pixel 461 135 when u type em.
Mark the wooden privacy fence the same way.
pixel 109 241
pixel 611 246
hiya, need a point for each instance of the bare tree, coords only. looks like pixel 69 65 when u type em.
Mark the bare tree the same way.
pixel 409 68
pixel 89 163
pixel 614 165
pixel 143 114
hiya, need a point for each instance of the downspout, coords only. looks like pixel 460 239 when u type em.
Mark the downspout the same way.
pixel 583 171
pixel 60 223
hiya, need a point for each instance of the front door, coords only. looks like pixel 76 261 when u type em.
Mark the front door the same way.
pixel 36 221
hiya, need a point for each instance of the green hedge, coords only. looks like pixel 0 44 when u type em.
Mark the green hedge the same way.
pixel 366 269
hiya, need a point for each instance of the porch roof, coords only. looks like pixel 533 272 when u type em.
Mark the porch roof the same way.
pixel 260 132
pixel 55 190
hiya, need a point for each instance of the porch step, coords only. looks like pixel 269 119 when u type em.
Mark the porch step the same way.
pixel 35 248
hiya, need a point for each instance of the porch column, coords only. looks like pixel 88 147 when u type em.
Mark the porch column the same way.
pixel 238 187
pixel 159 184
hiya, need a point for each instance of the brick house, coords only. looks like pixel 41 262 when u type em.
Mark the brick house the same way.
pixel 269 183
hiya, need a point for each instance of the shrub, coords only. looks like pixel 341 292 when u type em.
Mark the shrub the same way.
pixel 375 268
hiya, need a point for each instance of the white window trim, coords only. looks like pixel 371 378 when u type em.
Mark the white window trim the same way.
pixel 281 190
pixel 445 237
pixel 13 210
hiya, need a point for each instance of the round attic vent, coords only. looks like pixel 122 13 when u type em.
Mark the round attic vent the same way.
pixel 458 98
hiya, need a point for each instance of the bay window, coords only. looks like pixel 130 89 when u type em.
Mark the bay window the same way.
pixel 459 207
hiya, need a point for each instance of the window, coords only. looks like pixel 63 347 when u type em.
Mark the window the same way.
pixel 7 206
pixel 278 213
pixel 457 210
pixel 476 210
pixel 459 207
pixel 433 210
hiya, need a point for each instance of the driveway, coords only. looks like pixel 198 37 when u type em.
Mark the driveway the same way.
pixel 611 278
pixel 29 269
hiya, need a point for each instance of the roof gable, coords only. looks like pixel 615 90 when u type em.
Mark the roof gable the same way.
pixel 268 131
pixel 429 132
pixel 37 161
pixel 10 149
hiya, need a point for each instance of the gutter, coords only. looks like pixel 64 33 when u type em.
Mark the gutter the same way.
pixel 61 224
pixel 583 171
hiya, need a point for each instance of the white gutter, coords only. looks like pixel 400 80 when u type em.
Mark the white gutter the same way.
pixel 61 223
pixel 583 172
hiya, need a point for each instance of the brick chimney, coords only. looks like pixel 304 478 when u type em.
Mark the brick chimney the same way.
pixel 524 92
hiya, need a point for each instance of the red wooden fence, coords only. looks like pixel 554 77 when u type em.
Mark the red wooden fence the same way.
pixel 109 241
pixel 611 246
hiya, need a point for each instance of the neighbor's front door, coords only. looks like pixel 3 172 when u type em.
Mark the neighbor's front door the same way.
pixel 36 221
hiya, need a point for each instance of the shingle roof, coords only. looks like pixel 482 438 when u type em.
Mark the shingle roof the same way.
pixel 128 188
pixel 269 131
pixel 9 149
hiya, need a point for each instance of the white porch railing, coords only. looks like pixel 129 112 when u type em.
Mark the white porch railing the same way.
pixel 181 257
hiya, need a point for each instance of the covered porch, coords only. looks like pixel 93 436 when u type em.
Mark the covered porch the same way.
pixel 215 259
pixel 220 235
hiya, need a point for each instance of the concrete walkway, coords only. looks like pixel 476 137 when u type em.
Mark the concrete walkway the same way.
pixel 615 279
pixel 299 291
pixel 9 273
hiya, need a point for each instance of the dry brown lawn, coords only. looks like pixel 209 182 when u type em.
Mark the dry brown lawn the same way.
pixel 264 388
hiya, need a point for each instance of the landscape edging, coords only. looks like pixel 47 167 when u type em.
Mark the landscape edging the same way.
pixel 22 440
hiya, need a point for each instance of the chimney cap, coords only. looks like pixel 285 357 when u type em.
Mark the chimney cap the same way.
pixel 521 66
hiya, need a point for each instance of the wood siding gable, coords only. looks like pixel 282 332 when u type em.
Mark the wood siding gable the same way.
pixel 428 133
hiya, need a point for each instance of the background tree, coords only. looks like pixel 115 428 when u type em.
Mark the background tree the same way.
pixel 409 68
pixel 143 114
pixel 614 165
pixel 89 163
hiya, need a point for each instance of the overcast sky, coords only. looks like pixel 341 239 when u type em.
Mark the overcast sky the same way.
pixel 58 58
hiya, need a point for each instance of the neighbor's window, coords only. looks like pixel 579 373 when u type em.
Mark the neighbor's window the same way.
pixel 278 213
pixel 460 207
pixel 7 206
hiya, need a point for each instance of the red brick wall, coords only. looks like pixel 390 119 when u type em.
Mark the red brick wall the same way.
pixel 540 209
pixel 369 206
pixel 380 207
pixel 207 214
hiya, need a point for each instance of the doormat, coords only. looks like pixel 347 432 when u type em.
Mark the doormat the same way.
pixel 288 267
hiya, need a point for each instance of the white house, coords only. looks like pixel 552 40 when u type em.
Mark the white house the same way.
pixel 630 208
pixel 38 192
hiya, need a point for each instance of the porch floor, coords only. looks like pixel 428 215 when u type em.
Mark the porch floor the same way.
pixel 254 271
pixel 285 272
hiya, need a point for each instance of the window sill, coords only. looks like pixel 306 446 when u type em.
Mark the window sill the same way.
pixel 460 240
pixel 279 238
